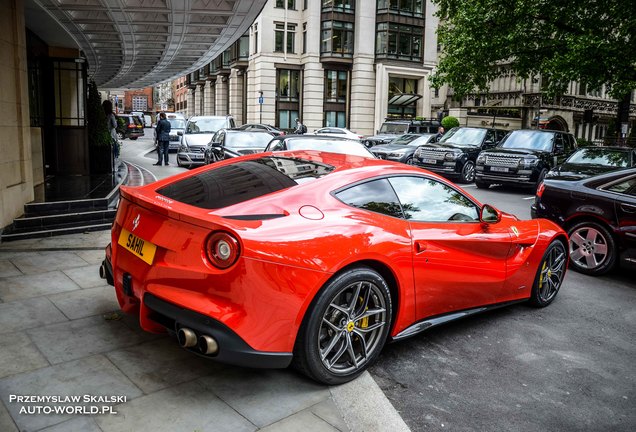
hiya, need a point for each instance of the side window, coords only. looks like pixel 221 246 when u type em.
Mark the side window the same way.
pixel 427 200
pixel 231 123
pixel 558 143
pixel 500 135
pixel 278 146
pixel 490 136
pixel 626 187
pixel 376 196
pixel 412 129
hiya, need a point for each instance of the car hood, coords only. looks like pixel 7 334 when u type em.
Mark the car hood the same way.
pixel 514 152
pixel 448 145
pixel 393 147
pixel 383 137
pixel 573 171
pixel 198 140
pixel 245 150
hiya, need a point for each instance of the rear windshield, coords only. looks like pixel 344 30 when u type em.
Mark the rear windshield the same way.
pixel 232 184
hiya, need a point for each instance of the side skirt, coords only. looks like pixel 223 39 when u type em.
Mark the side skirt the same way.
pixel 428 323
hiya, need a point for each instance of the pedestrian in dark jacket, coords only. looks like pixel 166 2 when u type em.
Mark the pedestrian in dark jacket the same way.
pixel 163 138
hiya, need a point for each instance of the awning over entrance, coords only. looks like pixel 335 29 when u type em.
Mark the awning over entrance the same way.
pixel 404 99
pixel 137 43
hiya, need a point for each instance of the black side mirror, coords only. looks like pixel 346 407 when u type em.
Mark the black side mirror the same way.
pixel 180 133
pixel 217 145
pixel 489 214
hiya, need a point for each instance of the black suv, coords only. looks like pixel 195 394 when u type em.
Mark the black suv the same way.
pixel 392 128
pixel 129 126
pixel 455 154
pixel 523 157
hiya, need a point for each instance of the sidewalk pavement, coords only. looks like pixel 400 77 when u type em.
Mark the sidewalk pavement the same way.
pixel 62 335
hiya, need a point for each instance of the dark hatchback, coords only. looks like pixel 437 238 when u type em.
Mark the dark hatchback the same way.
pixel 589 161
pixel 599 214
pixel 523 157
pixel 234 143
pixel 129 126
pixel 456 152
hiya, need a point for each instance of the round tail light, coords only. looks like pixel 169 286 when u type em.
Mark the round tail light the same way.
pixel 222 249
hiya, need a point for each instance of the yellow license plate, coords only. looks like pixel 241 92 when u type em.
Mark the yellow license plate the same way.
pixel 139 247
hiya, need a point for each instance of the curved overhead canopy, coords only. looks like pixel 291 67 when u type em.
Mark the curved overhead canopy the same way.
pixel 137 43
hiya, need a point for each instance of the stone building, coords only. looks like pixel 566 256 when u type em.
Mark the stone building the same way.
pixel 339 63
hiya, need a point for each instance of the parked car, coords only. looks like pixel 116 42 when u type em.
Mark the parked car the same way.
pixel 455 154
pixel 392 128
pixel 129 126
pixel 590 161
pixel 599 214
pixel 338 132
pixel 523 157
pixel 233 143
pixel 198 133
pixel 402 148
pixel 262 127
pixel 319 143
pixel 317 259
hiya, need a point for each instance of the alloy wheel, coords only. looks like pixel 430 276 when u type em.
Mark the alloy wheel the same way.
pixel 351 328
pixel 552 272
pixel 468 172
pixel 588 248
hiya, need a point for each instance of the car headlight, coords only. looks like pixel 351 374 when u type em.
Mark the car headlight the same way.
pixel 397 154
pixel 451 156
pixel 184 146
pixel 528 161
pixel 481 159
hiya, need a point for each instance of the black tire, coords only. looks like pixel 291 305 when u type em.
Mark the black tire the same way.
pixel 120 135
pixel 592 248
pixel 409 160
pixel 468 172
pixel 134 138
pixel 336 344
pixel 482 184
pixel 550 274
pixel 540 178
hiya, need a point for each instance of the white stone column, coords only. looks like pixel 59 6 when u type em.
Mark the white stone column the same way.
pixel 208 104
pixel 221 102
pixel 191 99
pixel 362 103
pixel 313 95
pixel 237 99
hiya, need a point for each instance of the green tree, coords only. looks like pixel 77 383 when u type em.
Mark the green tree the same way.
pixel 588 41
pixel 99 141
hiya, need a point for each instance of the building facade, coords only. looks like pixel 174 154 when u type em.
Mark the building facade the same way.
pixel 341 63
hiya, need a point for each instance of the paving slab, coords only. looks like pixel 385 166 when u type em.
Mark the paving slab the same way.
pixel 6 422
pixel 7 269
pixel 186 407
pixel 302 421
pixel 89 376
pixel 28 313
pixel 78 424
pixel 86 302
pixel 23 287
pixel 86 276
pixel 329 412
pixel 42 262
pixel 92 256
pixel 18 354
pixel 266 396
pixel 84 337
pixel 155 365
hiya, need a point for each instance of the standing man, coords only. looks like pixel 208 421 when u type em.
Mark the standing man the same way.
pixel 440 133
pixel 301 129
pixel 163 138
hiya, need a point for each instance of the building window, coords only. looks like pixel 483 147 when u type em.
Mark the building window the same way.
pixel 401 42
pixel 337 38
pixel 344 6
pixel 288 85
pixel 335 86
pixel 304 38
pixel 402 86
pixel 291 4
pixel 335 119
pixel 140 103
pixel 280 36
pixel 280 4
pixel 287 119
pixel 69 86
pixel 402 7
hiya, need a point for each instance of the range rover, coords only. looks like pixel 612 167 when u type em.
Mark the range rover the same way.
pixel 523 157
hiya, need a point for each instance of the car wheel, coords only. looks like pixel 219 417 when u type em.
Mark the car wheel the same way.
pixel 345 328
pixel 409 160
pixel 468 172
pixel 120 135
pixel 482 184
pixel 549 275
pixel 592 248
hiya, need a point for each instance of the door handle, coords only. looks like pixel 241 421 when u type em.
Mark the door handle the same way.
pixel 577 195
pixel 628 208
pixel 420 246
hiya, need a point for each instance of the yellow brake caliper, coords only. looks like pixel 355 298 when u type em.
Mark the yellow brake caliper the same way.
pixel 364 322
pixel 541 277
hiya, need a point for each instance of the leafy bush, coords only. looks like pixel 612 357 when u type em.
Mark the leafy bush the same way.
pixel 450 122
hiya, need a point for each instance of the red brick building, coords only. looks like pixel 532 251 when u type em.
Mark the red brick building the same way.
pixel 139 100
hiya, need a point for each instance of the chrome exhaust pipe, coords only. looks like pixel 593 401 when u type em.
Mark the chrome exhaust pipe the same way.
pixel 102 271
pixel 186 337
pixel 208 345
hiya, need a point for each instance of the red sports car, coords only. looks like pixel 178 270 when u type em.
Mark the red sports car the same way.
pixel 317 259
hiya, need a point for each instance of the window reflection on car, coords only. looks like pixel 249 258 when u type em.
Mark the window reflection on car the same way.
pixel 528 139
